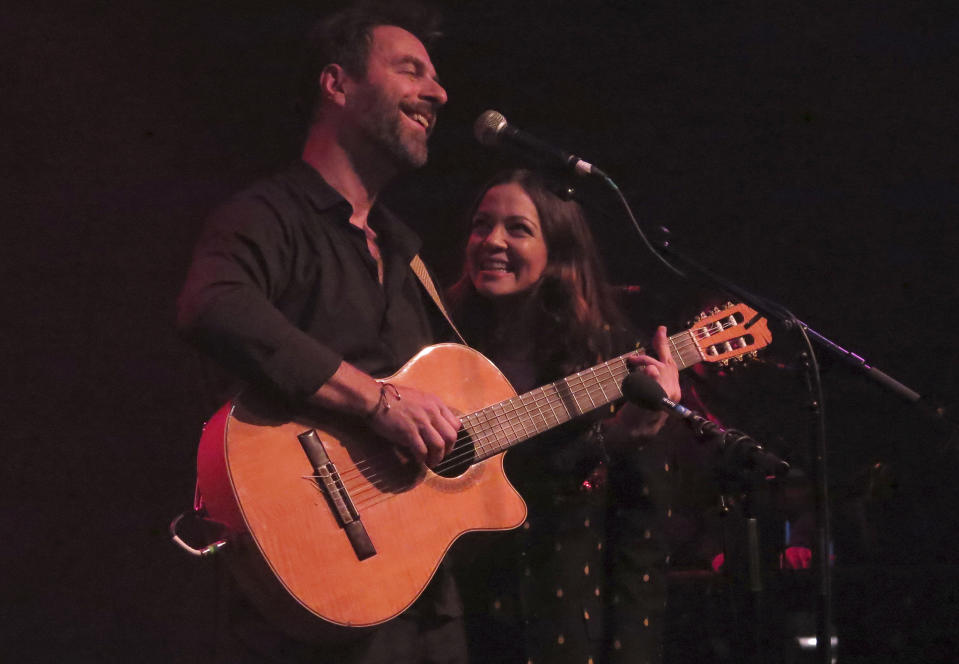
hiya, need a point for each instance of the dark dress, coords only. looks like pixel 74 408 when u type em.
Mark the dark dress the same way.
pixel 583 579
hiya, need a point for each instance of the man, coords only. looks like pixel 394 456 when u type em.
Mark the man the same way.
pixel 301 285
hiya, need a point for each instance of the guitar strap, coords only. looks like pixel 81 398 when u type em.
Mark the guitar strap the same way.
pixel 419 269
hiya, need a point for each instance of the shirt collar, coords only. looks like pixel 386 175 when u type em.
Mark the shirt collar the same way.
pixel 324 197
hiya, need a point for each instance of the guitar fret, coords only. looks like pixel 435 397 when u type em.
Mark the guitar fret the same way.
pixel 479 433
pixel 538 403
pixel 600 384
pixel 522 416
pixel 575 409
pixel 504 418
pixel 616 379
pixel 516 424
pixel 564 416
pixel 494 429
pixel 585 388
pixel 528 419
pixel 614 384
pixel 699 356
pixel 677 355
pixel 589 393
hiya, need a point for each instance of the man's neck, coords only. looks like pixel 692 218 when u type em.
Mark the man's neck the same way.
pixel 358 175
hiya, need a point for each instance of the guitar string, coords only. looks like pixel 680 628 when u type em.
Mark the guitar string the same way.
pixel 483 432
pixel 519 404
pixel 495 430
pixel 513 429
pixel 588 382
pixel 534 401
pixel 533 408
pixel 686 344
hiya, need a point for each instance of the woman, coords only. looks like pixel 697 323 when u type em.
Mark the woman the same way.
pixel 533 298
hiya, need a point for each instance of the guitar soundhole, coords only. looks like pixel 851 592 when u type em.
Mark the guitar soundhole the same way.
pixel 460 458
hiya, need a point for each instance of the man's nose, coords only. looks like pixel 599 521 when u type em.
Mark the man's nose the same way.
pixel 434 92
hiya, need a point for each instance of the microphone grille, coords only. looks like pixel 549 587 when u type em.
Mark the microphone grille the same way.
pixel 488 126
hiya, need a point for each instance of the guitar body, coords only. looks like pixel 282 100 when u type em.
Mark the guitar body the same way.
pixel 289 549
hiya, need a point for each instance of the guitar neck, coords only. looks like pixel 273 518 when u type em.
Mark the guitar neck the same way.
pixel 507 423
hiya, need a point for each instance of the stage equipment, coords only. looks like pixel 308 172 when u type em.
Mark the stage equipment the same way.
pixel 492 130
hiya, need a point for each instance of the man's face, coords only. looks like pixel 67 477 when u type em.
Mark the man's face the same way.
pixel 395 105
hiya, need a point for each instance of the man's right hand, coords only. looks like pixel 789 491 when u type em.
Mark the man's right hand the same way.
pixel 417 421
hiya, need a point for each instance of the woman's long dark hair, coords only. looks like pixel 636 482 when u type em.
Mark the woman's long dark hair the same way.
pixel 576 320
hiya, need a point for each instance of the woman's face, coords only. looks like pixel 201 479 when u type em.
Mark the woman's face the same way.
pixel 506 253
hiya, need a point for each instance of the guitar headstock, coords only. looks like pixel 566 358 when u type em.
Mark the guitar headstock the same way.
pixel 734 331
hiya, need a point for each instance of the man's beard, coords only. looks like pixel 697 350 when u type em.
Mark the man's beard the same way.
pixel 384 124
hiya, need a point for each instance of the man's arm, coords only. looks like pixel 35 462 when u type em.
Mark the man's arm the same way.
pixel 225 308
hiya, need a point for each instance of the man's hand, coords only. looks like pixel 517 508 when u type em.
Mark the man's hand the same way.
pixel 417 421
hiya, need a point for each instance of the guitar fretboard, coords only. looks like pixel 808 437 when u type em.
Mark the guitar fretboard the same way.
pixel 504 424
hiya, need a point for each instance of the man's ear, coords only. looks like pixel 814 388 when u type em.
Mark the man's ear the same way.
pixel 332 82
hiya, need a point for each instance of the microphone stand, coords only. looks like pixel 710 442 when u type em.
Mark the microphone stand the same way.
pixel 773 311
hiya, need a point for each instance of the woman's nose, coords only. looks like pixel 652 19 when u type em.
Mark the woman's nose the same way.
pixel 496 237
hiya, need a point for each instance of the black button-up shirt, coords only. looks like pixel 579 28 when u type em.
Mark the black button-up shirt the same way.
pixel 283 288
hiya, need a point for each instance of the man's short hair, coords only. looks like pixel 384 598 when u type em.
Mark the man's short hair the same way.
pixel 345 37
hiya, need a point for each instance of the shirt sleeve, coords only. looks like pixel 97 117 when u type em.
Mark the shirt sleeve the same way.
pixel 240 267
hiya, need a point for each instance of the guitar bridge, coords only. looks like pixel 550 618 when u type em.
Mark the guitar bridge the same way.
pixel 327 478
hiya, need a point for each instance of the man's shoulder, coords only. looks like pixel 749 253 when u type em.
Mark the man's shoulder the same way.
pixel 288 197
pixel 297 184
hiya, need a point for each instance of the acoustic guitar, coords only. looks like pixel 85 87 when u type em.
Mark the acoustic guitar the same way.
pixel 330 525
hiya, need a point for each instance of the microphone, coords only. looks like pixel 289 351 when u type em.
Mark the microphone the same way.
pixel 646 392
pixel 492 130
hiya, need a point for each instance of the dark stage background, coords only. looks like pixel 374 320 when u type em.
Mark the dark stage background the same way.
pixel 806 150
